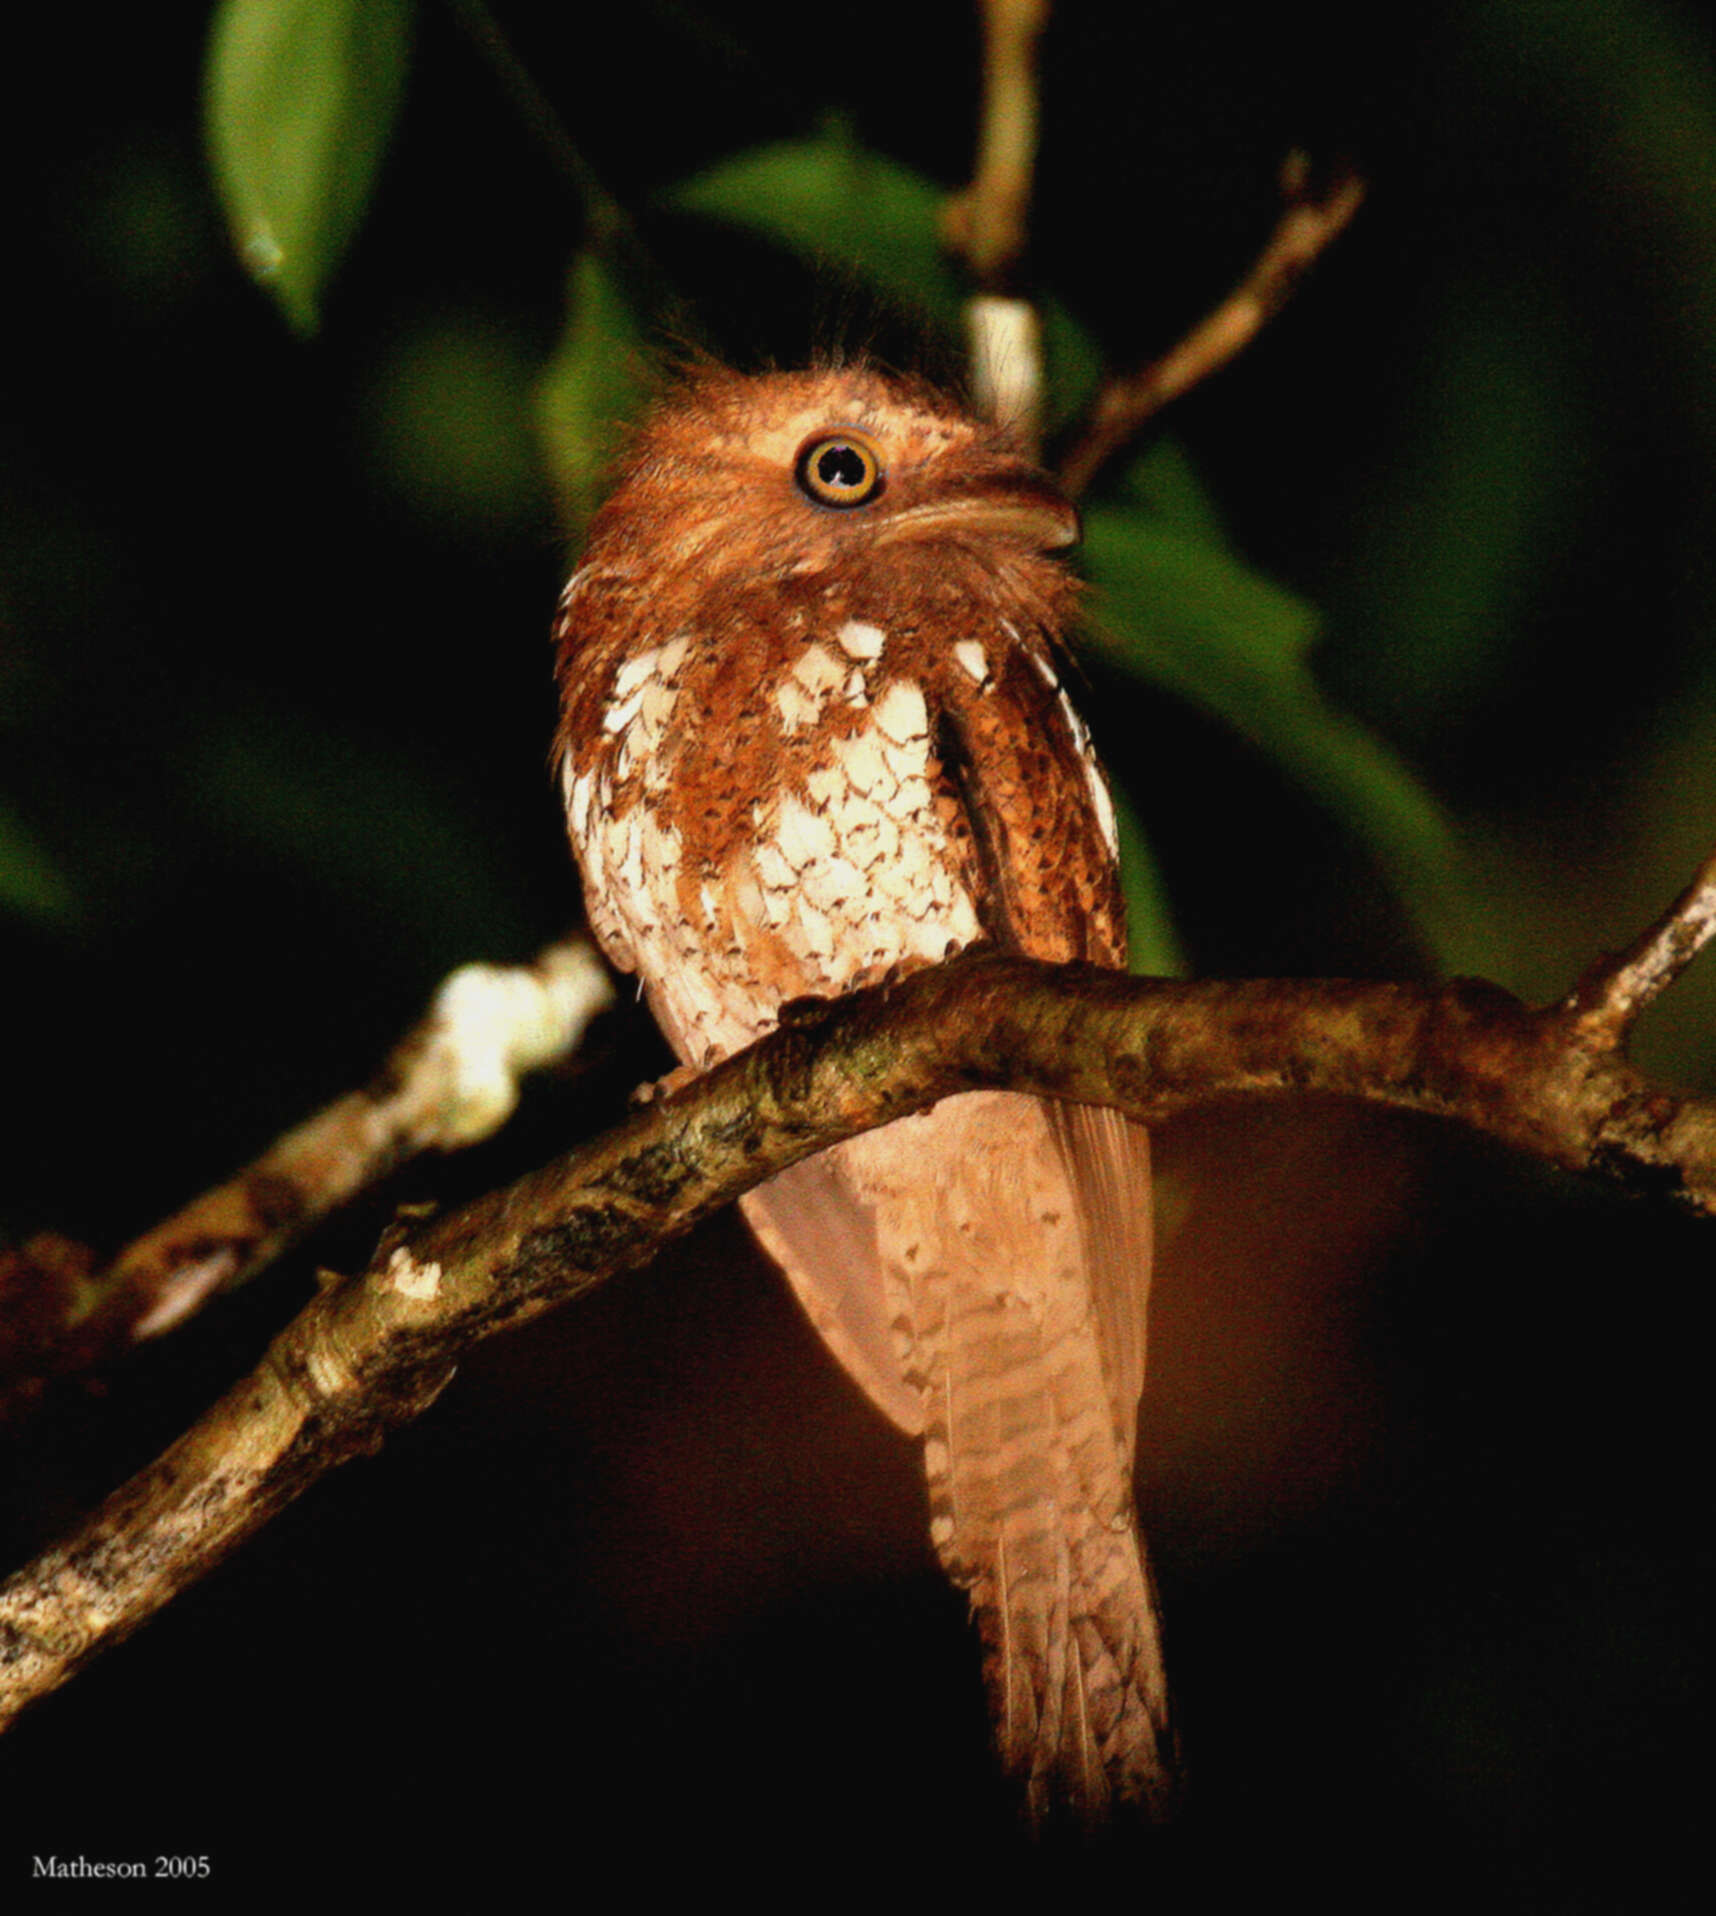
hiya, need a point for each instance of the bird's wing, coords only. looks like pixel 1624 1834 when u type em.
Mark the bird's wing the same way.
pixel 1018 775
pixel 1040 826
pixel 823 1236
pixel 1108 1160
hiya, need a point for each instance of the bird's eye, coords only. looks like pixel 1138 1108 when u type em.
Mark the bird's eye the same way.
pixel 839 469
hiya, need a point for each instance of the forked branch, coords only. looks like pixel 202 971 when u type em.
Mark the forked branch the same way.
pixel 374 1350
pixel 1608 1000
pixel 449 1083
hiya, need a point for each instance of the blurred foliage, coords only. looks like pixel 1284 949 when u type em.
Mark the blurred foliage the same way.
pixel 1175 606
pixel 274 722
pixel 450 427
pixel 857 214
pixel 286 787
pixel 1424 629
pixel 1154 946
pixel 594 382
pixel 30 882
pixel 831 200
pixel 300 100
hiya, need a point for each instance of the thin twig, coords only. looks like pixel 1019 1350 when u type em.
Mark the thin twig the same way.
pixel 1128 400
pixel 1607 1001
pixel 372 1351
pixel 609 228
pixel 606 220
pixel 451 1082
pixel 986 227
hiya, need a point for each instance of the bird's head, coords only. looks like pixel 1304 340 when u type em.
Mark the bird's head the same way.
pixel 787 474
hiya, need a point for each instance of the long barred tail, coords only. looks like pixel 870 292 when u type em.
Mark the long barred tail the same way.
pixel 1033 1518
pixel 1027 1452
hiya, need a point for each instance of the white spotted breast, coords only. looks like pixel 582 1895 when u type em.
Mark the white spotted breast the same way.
pixel 845 864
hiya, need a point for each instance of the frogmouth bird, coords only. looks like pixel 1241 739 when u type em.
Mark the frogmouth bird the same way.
pixel 815 733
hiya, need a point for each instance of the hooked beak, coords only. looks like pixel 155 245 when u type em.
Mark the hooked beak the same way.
pixel 1015 502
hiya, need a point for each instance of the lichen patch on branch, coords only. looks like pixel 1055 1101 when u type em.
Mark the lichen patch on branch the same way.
pixel 449 1083
pixel 411 1279
pixel 1547 1082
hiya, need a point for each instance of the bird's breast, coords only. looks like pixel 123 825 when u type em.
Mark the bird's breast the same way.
pixel 767 816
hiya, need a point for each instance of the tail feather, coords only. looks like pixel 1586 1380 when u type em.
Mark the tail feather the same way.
pixel 991 1277
pixel 1072 1654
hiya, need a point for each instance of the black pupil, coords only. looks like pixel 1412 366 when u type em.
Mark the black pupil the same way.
pixel 841 466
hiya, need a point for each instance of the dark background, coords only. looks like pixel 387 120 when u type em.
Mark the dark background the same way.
pixel 1424 1452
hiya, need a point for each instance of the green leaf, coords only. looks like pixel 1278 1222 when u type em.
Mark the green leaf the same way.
pixel 1163 481
pixel 31 884
pixel 1151 940
pixel 451 425
pixel 1185 614
pixel 1074 366
pixel 836 203
pixel 300 97
pixel 591 387
pixel 829 199
pixel 385 828
pixel 1193 615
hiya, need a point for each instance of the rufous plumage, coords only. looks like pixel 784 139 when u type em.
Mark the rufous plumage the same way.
pixel 815 734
